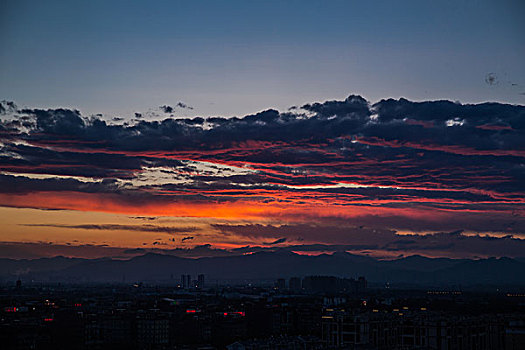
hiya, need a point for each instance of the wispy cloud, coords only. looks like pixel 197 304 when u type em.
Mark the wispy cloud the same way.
pixel 277 241
pixel 113 227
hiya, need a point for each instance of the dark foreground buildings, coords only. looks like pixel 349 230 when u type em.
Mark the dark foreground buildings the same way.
pixel 306 315
pixel 413 330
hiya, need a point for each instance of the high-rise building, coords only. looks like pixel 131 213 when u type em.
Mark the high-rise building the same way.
pixel 280 284
pixel 361 284
pixel 295 284
pixel 200 281
pixel 321 284
pixel 185 281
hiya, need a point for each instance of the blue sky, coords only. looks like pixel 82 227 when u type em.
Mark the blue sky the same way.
pixel 238 57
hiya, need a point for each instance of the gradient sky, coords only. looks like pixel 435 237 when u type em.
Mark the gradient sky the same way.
pixel 117 133
pixel 239 57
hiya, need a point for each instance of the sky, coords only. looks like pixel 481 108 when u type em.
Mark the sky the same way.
pixel 214 128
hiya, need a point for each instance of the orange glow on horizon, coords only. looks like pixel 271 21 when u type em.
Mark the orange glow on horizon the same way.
pixel 235 210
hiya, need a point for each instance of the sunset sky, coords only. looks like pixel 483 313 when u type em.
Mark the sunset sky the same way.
pixel 218 128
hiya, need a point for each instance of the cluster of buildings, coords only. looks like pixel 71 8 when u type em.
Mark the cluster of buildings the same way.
pixel 279 342
pixel 324 313
pixel 418 329
pixel 187 283
pixel 151 317
pixel 322 284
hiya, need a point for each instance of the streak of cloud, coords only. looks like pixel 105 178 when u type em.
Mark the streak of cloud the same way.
pixel 117 227
pixel 277 241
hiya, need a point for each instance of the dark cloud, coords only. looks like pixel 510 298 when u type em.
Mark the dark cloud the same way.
pixel 24 250
pixel 277 241
pixel 113 227
pixel 183 105
pixel 491 79
pixel 22 184
pixel 7 107
pixel 187 238
pixel 452 244
pixel 459 166
pixel 354 107
pixel 148 218
pixel 167 109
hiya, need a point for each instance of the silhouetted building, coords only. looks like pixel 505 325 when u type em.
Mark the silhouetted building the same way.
pixel 116 329
pixel 185 281
pixel 253 317
pixel 200 281
pixel 321 284
pixel 515 335
pixel 294 284
pixel 408 330
pixel 280 284
pixel 361 284
pixel 331 284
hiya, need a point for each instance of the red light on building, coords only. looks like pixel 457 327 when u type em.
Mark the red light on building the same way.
pixel 225 314
pixel 11 309
pixel 240 313
pixel 78 304
pixel 48 320
pixel 191 311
